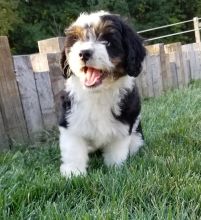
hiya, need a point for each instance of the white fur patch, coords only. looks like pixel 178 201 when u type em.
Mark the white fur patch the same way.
pixel 99 60
pixel 86 19
pixel 116 153
pixel 74 154
pixel 91 112
pixel 136 143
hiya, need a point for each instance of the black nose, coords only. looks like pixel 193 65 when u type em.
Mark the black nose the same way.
pixel 85 54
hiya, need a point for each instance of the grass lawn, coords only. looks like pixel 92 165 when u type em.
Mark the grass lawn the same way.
pixel 163 181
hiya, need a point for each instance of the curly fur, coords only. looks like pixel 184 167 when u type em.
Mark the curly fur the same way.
pixel 105 115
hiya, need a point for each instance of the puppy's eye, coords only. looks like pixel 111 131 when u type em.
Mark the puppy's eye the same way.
pixel 73 37
pixel 107 43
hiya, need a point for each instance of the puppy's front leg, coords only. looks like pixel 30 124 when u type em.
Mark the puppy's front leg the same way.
pixel 117 151
pixel 74 154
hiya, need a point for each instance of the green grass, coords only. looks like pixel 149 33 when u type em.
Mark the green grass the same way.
pixel 163 181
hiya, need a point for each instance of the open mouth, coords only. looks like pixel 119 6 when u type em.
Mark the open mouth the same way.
pixel 93 76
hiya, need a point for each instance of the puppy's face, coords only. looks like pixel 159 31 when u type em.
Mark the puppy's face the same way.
pixel 100 48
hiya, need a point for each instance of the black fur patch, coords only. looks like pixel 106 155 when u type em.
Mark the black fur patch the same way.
pixel 66 101
pixel 125 43
pixel 110 30
pixel 139 130
pixel 130 109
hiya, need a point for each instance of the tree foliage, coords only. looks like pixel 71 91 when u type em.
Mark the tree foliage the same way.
pixel 27 21
pixel 8 16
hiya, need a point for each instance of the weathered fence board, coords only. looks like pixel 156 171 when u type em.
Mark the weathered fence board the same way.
pixel 149 76
pixel 138 83
pixel 175 62
pixel 4 144
pixel 173 69
pixel 10 99
pixel 163 70
pixel 44 89
pixel 186 54
pixel 197 69
pixel 46 99
pixel 29 95
pixel 52 45
pixel 142 81
pixel 154 68
pixel 56 77
pixel 192 60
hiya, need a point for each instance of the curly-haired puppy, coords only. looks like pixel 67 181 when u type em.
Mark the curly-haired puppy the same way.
pixel 101 108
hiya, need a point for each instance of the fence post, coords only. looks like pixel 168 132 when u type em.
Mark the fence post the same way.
pixel 12 115
pixel 196 28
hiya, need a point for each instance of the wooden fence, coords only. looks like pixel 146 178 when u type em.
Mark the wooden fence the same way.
pixel 31 85
pixel 168 67
pixel 30 89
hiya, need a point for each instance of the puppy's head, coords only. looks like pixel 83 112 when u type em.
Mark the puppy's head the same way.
pixel 100 48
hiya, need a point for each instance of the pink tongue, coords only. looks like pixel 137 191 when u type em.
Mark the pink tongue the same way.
pixel 92 77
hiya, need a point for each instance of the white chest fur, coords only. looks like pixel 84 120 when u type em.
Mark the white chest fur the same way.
pixel 91 115
pixel 92 119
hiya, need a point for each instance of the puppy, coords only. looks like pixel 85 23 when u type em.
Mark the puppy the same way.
pixel 101 108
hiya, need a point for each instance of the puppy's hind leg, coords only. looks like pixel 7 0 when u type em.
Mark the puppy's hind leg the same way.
pixel 116 152
pixel 136 142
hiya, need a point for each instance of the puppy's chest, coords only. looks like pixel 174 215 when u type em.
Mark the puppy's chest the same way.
pixel 93 119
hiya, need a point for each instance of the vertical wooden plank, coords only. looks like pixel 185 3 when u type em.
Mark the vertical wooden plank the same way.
pixel 138 84
pixel 169 83
pixel 4 144
pixel 44 88
pixel 52 45
pixel 57 80
pixel 154 67
pixel 139 81
pixel 173 69
pixel 192 59
pixel 149 76
pixel 29 96
pixel 46 99
pixel 196 74
pixel 143 79
pixel 186 54
pixel 174 55
pixel 164 70
pixel 11 107
pixel 157 76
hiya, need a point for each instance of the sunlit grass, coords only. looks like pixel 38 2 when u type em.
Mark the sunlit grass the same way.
pixel 163 181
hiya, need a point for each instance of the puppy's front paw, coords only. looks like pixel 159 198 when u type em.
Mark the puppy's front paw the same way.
pixel 70 171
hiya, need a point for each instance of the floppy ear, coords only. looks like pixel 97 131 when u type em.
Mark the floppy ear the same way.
pixel 64 65
pixel 134 49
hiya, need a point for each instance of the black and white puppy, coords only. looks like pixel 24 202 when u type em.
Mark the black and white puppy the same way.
pixel 101 108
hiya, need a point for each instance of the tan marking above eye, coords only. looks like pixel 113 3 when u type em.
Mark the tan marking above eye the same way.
pixel 75 32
